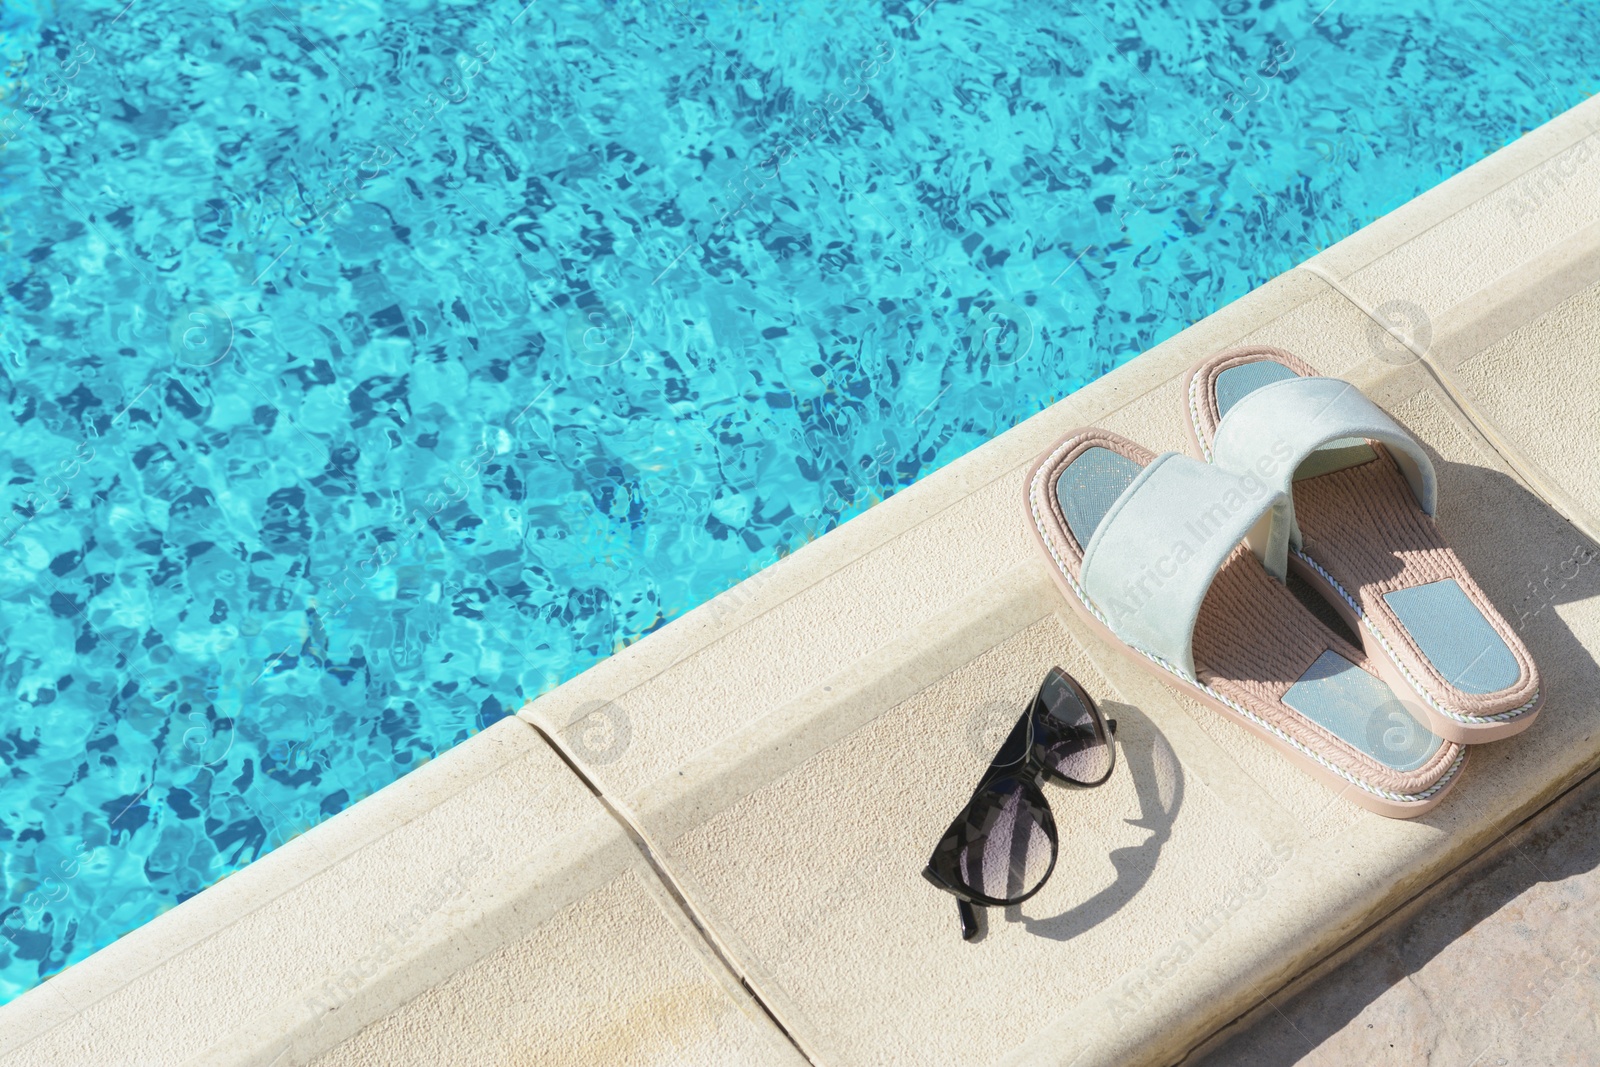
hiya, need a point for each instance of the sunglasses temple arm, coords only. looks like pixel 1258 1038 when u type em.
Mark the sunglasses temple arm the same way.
pixel 969 920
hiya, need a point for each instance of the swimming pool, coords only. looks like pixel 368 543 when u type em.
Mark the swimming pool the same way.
pixel 367 374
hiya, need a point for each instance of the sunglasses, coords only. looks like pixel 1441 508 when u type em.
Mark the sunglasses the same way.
pixel 1002 847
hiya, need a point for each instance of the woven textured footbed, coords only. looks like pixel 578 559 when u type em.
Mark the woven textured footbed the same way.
pixel 1364 530
pixel 1252 641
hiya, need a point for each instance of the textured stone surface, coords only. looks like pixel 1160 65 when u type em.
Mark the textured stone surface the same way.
pixel 609 981
pixel 1498 964
pixel 1540 377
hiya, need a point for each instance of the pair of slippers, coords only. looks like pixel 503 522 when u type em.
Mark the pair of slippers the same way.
pixel 1182 563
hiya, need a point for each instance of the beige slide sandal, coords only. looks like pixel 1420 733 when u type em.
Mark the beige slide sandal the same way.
pixel 1362 496
pixel 1179 565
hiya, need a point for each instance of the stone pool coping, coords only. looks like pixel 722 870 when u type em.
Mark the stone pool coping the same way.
pixel 363 937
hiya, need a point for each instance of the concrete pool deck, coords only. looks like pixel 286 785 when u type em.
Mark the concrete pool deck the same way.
pixel 769 772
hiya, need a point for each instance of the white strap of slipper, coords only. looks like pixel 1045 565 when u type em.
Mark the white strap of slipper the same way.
pixel 1269 431
pixel 1153 557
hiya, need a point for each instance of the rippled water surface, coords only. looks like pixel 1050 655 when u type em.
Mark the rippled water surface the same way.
pixel 369 368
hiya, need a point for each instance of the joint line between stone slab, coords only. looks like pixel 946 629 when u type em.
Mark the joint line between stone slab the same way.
pixel 1361 306
pixel 665 879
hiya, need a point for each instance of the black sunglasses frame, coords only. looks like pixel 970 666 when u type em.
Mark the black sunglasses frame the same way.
pixel 1026 766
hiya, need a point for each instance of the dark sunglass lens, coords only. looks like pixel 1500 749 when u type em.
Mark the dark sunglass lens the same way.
pixel 1072 740
pixel 1086 761
pixel 1008 846
pixel 1062 705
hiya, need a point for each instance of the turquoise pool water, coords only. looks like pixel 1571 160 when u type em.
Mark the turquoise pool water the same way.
pixel 371 368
